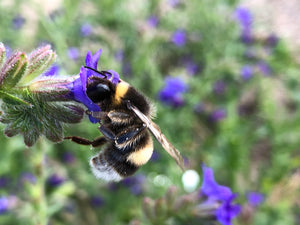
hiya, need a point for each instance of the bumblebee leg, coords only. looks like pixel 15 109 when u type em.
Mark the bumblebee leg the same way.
pixel 107 133
pixel 82 141
pixel 129 134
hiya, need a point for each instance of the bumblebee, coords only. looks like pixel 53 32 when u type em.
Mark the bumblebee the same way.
pixel 125 121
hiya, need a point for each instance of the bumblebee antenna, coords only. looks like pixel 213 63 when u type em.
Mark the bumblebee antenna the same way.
pixel 103 73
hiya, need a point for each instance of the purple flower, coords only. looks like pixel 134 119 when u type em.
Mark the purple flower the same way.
pixel 172 92
pixel 211 188
pixel 28 177
pixel 53 70
pixel 86 29
pixel 218 114
pixel 4 205
pixel 4 181
pixel 219 87
pixel 7 203
pixel 79 86
pixel 218 194
pixel 179 37
pixel 272 40
pixel 191 66
pixel 152 21
pixel 135 184
pixel 73 53
pixel 244 17
pixel 255 198
pixel 97 201
pixel 264 68
pixel 126 68
pixel 17 22
pixel 68 157
pixel 119 55
pixel 227 211
pixel 55 180
pixel 246 72
pixel 173 3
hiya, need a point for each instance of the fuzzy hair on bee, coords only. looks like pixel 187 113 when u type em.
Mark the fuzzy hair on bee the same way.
pixel 125 121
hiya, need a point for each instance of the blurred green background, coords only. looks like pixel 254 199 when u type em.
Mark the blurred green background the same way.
pixel 239 112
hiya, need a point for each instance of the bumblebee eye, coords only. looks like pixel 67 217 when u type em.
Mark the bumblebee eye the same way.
pixel 98 92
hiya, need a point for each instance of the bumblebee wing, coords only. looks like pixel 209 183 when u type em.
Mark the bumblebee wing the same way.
pixel 160 137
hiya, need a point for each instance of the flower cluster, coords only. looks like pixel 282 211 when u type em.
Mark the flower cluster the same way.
pixel 258 62
pixel 212 201
pixel 33 111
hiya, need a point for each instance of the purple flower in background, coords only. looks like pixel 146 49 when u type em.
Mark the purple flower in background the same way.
pixel 244 16
pixel 28 177
pixel 245 19
pixel 18 22
pixel 73 53
pixel 119 55
pixel 272 40
pixel 68 157
pixel 219 87
pixel 55 180
pixel 172 93
pixel 191 66
pixel 218 114
pixel 179 37
pixel 255 198
pixel 219 195
pixel 173 3
pixel 153 21
pixel 4 204
pixel 86 29
pixel 126 68
pixel 97 201
pixel 7 203
pixel 246 72
pixel 264 68
pixel 4 181
pixel 227 211
pixel 211 188
pixel 135 184
pixel 53 70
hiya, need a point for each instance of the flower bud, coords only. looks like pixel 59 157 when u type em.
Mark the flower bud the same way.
pixel 52 88
pixel 171 195
pixel 13 70
pixel 2 53
pixel 148 210
pixel 160 208
pixel 40 60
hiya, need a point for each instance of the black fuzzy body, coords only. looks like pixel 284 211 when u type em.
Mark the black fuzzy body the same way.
pixel 111 102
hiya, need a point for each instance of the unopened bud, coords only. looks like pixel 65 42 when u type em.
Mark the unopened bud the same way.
pixel 13 70
pixel 52 89
pixel 171 195
pixel 148 210
pixel 39 61
pixel 160 208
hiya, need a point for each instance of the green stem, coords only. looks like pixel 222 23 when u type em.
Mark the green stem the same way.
pixel 40 201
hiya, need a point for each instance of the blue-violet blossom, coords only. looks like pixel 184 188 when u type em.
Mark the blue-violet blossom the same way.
pixel 78 87
pixel 219 195
pixel 172 92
